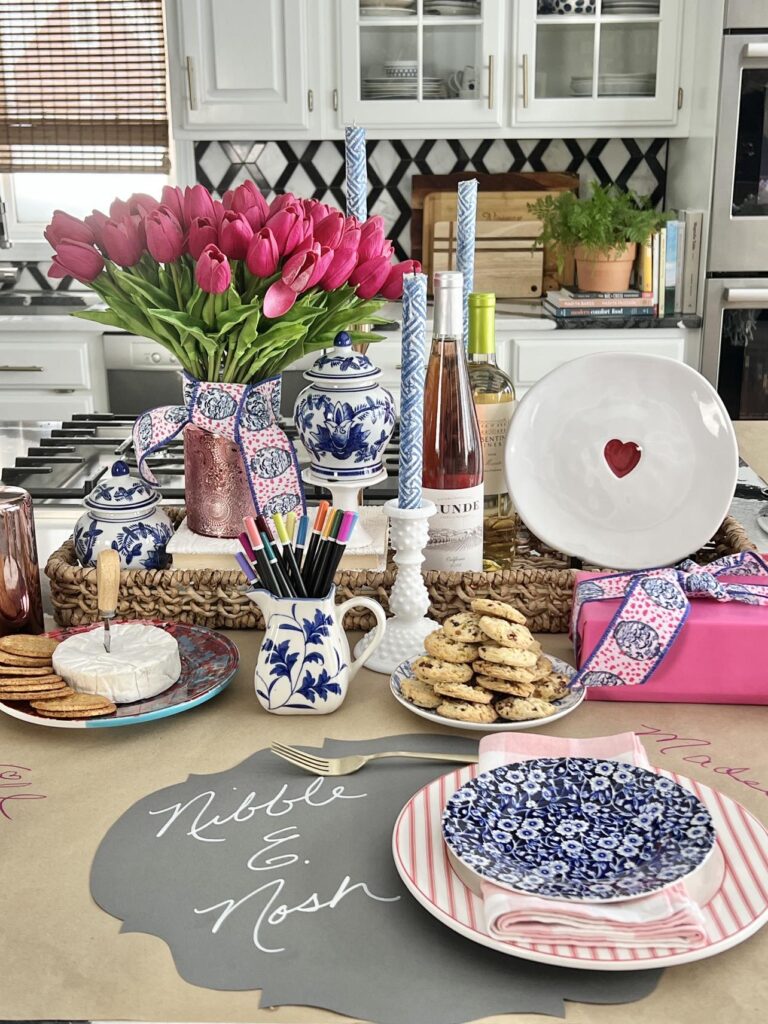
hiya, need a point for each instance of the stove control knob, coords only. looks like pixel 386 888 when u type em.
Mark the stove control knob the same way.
pixel 156 357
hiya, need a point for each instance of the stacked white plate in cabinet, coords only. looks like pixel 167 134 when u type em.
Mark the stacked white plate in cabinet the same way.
pixel 627 461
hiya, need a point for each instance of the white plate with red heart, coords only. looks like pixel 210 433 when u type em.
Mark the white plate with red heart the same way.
pixel 628 461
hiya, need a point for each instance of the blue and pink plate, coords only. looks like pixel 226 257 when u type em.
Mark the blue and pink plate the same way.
pixel 208 664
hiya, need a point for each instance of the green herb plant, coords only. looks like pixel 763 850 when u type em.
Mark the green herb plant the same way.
pixel 609 219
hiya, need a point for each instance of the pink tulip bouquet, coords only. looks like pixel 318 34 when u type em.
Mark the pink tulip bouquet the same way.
pixel 236 289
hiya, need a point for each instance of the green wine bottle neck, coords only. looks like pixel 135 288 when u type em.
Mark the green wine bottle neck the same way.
pixel 482 326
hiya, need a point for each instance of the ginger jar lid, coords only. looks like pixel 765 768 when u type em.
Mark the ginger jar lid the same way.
pixel 342 365
pixel 118 491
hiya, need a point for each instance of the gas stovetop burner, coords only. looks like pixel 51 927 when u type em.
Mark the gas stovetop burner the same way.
pixel 65 466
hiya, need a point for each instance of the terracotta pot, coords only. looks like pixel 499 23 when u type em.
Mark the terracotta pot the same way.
pixel 604 271
pixel 216 490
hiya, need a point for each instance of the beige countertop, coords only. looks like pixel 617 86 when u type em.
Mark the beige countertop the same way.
pixel 64 958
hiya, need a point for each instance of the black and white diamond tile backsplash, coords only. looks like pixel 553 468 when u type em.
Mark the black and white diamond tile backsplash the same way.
pixel 316 169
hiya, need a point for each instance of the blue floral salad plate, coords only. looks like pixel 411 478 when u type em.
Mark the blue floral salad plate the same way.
pixel 208 664
pixel 560 708
pixel 577 828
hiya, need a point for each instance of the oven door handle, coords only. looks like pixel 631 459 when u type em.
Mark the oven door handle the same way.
pixel 754 51
pixel 746 297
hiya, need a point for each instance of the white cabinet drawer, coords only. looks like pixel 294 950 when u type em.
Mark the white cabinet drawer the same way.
pixel 532 358
pixel 44 405
pixel 32 360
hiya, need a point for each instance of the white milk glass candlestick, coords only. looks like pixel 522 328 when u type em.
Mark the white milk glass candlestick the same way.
pixel 409 601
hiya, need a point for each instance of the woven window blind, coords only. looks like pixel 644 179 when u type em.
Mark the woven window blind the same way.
pixel 82 86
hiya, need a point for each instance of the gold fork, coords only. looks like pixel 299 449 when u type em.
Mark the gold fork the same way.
pixel 354 762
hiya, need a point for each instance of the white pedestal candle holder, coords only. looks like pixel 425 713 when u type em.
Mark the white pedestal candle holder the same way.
pixel 344 495
pixel 409 601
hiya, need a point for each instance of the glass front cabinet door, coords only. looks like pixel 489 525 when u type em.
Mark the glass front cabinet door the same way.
pixel 612 62
pixel 414 63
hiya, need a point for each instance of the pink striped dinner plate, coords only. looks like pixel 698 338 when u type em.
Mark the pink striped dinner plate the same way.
pixel 734 899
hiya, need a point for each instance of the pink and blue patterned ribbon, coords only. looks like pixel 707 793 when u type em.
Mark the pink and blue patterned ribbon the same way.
pixel 245 414
pixel 654 607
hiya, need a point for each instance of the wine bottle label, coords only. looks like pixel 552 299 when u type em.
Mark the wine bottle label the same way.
pixel 493 420
pixel 456 530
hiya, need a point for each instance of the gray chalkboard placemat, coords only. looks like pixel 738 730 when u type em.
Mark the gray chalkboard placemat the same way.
pixel 264 877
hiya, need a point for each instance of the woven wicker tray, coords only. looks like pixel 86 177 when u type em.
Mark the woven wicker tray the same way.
pixel 540 585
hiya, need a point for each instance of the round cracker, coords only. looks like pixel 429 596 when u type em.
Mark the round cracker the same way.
pixel 23 670
pixel 31 682
pixel 78 702
pixel 37 695
pixel 464 692
pixel 44 709
pixel 12 660
pixel 498 609
pixel 27 646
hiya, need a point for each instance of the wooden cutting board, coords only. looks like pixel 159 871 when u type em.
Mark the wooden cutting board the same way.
pixel 520 231
pixel 507 260
pixel 510 181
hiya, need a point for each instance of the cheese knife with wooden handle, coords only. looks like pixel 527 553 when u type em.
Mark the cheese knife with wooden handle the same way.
pixel 107 587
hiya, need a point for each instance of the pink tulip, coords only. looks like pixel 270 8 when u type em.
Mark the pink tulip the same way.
pixel 280 202
pixel 235 234
pixel 76 259
pixel 263 255
pixel 372 239
pixel 165 236
pixel 352 234
pixel 173 198
pixel 96 222
pixel 330 230
pixel 393 286
pixel 218 213
pixel 288 227
pixel 339 269
pixel 324 259
pixel 141 205
pixel 316 211
pixel 123 240
pixel 370 276
pixel 119 208
pixel 249 201
pixel 63 225
pixel 202 232
pixel 197 203
pixel 297 273
pixel 212 271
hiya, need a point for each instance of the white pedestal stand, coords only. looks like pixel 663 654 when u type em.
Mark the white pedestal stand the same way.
pixel 405 633
pixel 344 496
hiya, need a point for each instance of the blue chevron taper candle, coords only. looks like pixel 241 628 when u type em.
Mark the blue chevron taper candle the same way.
pixel 357 172
pixel 465 242
pixel 412 389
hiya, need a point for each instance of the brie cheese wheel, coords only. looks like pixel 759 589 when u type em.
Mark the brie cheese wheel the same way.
pixel 143 662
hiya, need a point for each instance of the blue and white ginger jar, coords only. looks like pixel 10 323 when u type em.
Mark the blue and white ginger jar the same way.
pixel 344 417
pixel 123 513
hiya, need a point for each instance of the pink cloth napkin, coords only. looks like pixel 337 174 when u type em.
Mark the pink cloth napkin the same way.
pixel 668 918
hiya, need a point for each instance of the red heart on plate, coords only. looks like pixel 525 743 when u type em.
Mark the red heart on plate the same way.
pixel 622 456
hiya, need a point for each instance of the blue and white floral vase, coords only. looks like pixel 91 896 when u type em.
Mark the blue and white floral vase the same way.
pixel 304 666
pixel 345 418
pixel 123 513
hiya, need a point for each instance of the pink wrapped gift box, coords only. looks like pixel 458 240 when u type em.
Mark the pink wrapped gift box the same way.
pixel 719 657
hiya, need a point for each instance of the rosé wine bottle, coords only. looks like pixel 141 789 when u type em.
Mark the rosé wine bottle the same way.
pixel 453 456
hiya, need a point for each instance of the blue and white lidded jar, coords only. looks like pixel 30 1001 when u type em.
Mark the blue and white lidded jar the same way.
pixel 122 513
pixel 344 417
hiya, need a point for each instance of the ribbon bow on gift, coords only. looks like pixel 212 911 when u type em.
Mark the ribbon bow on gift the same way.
pixel 654 607
pixel 247 415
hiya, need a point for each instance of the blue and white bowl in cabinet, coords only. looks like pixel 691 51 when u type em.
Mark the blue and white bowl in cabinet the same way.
pixel 344 418
pixel 123 513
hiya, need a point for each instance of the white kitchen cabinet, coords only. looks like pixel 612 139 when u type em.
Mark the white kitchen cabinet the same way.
pixel 49 372
pixel 237 67
pixel 617 69
pixel 421 70
pixel 529 357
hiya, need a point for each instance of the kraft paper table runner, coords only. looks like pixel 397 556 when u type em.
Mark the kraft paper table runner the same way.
pixel 89 778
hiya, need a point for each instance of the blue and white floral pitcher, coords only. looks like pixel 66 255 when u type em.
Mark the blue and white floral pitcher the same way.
pixel 304 665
